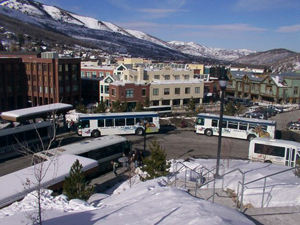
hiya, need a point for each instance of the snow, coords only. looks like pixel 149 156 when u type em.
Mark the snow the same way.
pixel 154 202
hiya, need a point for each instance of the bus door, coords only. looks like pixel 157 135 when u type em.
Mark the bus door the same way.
pixel 290 157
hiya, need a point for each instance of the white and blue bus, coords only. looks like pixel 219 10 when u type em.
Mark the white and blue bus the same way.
pixel 96 125
pixel 275 151
pixel 103 149
pixel 235 127
pixel 31 136
pixel 162 110
pixel 13 186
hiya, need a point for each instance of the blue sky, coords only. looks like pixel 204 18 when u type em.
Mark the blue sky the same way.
pixel 258 25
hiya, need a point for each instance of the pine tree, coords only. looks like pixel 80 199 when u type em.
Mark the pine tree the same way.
pixel 117 106
pixel 147 102
pixel 139 107
pixel 191 104
pixel 101 108
pixel 229 109
pixel 75 185
pixel 156 164
pixel 81 108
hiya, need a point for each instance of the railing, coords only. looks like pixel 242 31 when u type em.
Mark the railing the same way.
pixel 264 187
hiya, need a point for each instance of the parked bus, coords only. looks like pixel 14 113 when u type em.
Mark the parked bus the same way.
pixel 162 110
pixel 31 136
pixel 13 185
pixel 96 125
pixel 235 127
pixel 275 151
pixel 103 149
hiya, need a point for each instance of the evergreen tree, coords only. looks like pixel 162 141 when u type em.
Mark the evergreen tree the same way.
pixel 75 185
pixel 147 102
pixel 101 108
pixel 191 104
pixel 1 46
pixel 229 109
pixel 21 40
pixel 117 106
pixel 139 107
pixel 81 108
pixel 156 164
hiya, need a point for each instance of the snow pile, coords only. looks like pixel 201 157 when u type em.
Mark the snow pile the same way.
pixel 150 202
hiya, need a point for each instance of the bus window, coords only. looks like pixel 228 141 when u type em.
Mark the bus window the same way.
pixel 243 126
pixel 85 124
pixel 200 121
pixel 224 124
pixel 233 125
pixel 120 122
pixel 101 123
pixel 130 121
pixel 109 122
pixel 214 123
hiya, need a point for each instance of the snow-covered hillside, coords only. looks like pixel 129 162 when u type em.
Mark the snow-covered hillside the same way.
pixel 193 48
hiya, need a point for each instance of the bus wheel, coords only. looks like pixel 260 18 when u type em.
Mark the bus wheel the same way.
pixel 139 131
pixel 268 161
pixel 96 133
pixel 251 137
pixel 209 132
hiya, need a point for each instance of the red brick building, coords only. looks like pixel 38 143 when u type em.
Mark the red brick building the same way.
pixel 131 93
pixel 48 78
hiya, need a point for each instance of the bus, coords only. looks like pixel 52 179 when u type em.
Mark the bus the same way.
pixel 275 151
pixel 13 185
pixel 32 136
pixel 95 125
pixel 162 110
pixel 103 149
pixel 235 127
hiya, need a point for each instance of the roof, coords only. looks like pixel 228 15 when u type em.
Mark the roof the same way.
pixel 113 115
pixel 21 115
pixel 240 74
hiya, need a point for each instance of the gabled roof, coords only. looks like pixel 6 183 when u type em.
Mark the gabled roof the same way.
pixel 238 75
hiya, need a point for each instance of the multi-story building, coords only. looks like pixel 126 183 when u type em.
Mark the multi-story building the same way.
pixel 129 92
pixel 12 88
pixel 50 79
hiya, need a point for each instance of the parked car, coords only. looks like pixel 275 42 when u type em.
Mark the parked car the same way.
pixel 293 125
pixel 277 109
pixel 255 114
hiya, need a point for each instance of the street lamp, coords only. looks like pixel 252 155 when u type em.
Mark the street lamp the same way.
pixel 223 80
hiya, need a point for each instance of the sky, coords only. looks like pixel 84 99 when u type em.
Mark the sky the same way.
pixel 257 25
pixel 154 202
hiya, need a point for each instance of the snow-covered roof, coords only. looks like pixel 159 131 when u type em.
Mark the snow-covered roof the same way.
pixel 190 81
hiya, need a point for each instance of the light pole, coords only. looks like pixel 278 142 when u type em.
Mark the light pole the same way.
pixel 145 128
pixel 223 80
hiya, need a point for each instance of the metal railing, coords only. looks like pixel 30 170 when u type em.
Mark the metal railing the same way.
pixel 264 187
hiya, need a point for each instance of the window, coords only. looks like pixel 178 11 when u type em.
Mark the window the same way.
pixel 75 87
pixel 233 125
pixel 295 90
pixel 214 123
pixel 74 67
pixel 40 89
pixel 74 77
pixel 155 91
pixel 94 74
pixel 177 91
pixel 129 93
pixel 101 89
pixel 51 90
pixel 167 77
pixel 107 73
pixel 113 92
pixel 186 77
pixel 46 89
pixel 59 68
pixel 61 89
pixel 130 121
pixel 143 92
pixel 88 74
pixel 125 77
pixel 177 77
pixel 109 122
pixel 200 121
pixel 120 122
pixel 166 91
pixel 28 77
pixel 85 124
pixel 82 73
pixel 243 126
pixel 101 74
pixel 67 88
pixel 39 67
pixel 269 150
pixel 66 67
pixel 157 77
pixel 101 123
pixel 106 89
pixel 187 90
pixel 197 90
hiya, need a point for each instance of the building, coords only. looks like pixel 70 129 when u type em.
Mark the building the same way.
pixel 49 79
pixel 12 88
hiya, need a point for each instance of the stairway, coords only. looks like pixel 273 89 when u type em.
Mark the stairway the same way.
pixel 221 197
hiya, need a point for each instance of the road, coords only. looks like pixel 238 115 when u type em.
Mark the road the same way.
pixel 177 143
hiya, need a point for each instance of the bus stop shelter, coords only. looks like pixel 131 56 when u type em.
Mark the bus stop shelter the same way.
pixel 32 113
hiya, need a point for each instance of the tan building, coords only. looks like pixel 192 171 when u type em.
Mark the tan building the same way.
pixel 176 92
pixel 199 68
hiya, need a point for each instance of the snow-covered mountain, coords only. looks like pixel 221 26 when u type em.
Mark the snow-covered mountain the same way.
pixel 193 48
pixel 51 23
